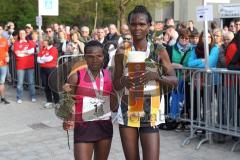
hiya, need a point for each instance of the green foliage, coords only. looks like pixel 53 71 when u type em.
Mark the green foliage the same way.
pixel 71 12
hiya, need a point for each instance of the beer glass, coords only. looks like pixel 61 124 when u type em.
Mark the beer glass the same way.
pixel 136 66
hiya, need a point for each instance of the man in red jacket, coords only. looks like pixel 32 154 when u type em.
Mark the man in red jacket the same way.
pixel 24 51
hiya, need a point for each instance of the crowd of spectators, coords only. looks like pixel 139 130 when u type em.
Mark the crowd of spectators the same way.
pixel 183 42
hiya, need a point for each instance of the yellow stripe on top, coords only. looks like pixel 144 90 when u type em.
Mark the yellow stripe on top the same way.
pixel 134 117
pixel 155 104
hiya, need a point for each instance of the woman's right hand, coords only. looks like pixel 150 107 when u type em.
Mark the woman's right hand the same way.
pixel 68 125
pixel 127 82
pixel 67 87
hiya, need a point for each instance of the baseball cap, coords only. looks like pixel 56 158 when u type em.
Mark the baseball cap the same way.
pixel 28 26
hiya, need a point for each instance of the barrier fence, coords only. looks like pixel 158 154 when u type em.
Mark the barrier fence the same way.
pixel 215 104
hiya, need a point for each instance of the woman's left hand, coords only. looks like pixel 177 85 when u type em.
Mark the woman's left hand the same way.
pixel 148 76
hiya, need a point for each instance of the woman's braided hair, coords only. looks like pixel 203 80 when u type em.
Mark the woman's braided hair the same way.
pixel 140 10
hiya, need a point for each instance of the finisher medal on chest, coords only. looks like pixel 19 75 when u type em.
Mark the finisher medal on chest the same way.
pixel 98 107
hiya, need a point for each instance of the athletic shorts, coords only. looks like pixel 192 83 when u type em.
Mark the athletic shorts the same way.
pixel 93 131
pixel 3 74
pixel 148 129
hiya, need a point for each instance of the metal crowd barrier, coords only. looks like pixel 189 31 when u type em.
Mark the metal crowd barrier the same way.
pixel 65 65
pixel 183 116
pixel 215 104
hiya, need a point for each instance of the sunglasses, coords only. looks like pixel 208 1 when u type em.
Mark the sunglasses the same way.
pixel 48 31
pixel 184 38
pixel 127 39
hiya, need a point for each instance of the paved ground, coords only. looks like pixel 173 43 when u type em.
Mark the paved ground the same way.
pixel 30 133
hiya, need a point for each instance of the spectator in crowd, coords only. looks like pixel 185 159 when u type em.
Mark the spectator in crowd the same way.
pixel 124 29
pixel 47 58
pixel 232 27
pixel 217 34
pixel 233 53
pixel 158 26
pixel 35 39
pixel 24 51
pixel 166 38
pixel 61 28
pixel 181 25
pixel 227 38
pixel 131 130
pixel 112 40
pixel 85 34
pixel 169 22
pixel 225 29
pixel 90 136
pixel 151 31
pixel 237 24
pixel 179 55
pixel 197 57
pixel 29 30
pixel 52 34
pixel 181 50
pixel 49 32
pixel 194 39
pixel 101 35
pixel 68 32
pixel 197 60
pixel 94 35
pixel 191 27
pixel 55 27
pixel 75 29
pixel 106 30
pixel 158 32
pixel 9 29
pixel 62 43
pixel 75 46
pixel 214 25
pixel 4 59
pixel 173 35
pixel 112 35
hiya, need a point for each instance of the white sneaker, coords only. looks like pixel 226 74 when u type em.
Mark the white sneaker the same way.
pixel 34 100
pixel 19 101
pixel 48 105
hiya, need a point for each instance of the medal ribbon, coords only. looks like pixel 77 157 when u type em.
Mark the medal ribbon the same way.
pixel 100 93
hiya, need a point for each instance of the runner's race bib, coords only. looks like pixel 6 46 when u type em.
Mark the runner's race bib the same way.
pixel 96 109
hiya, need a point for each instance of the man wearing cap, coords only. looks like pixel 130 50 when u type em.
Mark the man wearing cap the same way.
pixel 28 29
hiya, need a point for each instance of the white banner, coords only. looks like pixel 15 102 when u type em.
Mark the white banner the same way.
pixel 229 10
pixel 48 7
pixel 204 13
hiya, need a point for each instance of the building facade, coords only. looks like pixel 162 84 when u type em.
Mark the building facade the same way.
pixel 184 10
